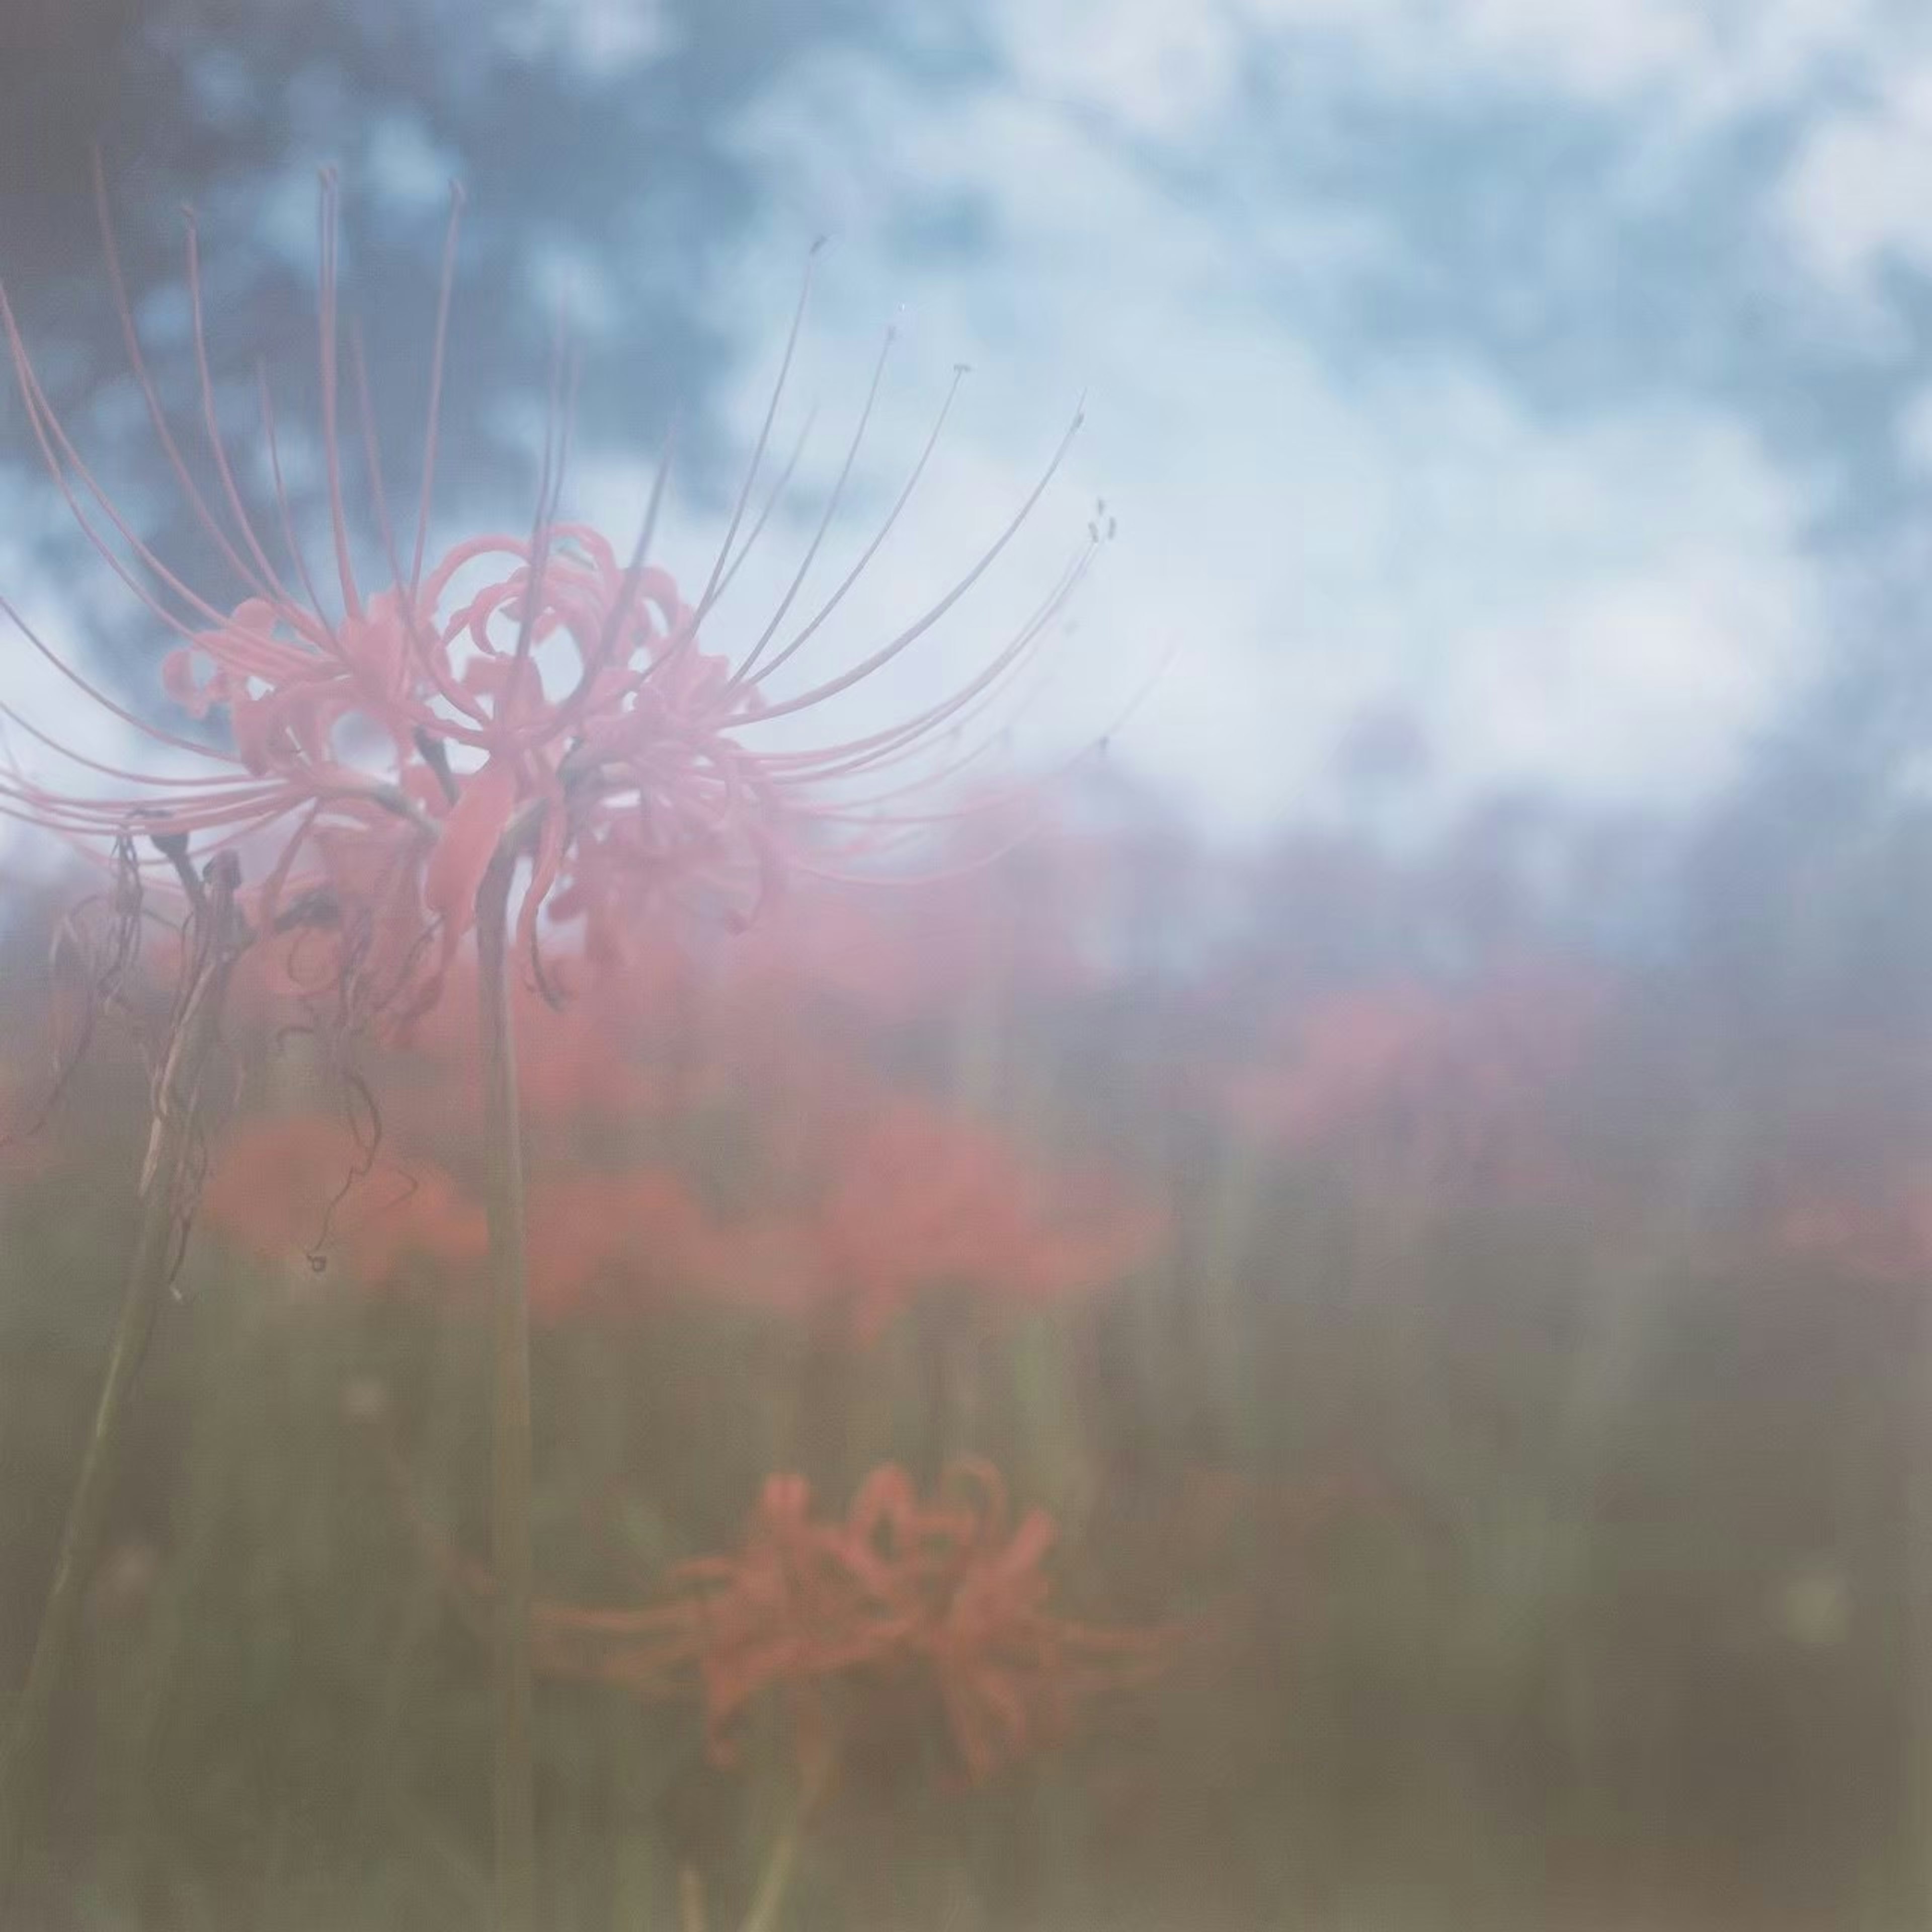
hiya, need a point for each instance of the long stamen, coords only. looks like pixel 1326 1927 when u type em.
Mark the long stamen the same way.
pixel 80 758
pixel 867 753
pixel 326 217
pixel 150 396
pixel 312 623
pixel 705 602
pixel 745 670
pixel 269 584
pixel 550 490
pixel 773 497
pixel 879 536
pixel 59 455
pixel 914 631
pixel 627 591
pixel 372 453
pixel 95 695
pixel 445 289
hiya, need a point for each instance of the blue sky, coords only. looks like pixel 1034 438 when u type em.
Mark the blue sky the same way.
pixel 1556 369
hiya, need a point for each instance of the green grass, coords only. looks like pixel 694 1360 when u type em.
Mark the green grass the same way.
pixel 1540 1665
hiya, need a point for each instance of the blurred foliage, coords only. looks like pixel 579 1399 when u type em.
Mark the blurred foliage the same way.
pixel 1524 1411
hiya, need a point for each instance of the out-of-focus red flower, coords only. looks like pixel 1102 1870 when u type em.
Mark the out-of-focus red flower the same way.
pixel 1445 1090
pixel 946 1600
pixel 875 1197
pixel 921 1196
pixel 1028 921
pixel 592 1048
pixel 909 1196
pixel 1878 1230
pixel 306 1184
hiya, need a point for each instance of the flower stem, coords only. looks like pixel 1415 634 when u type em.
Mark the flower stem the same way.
pixel 216 938
pixel 510 1408
pixel 776 1880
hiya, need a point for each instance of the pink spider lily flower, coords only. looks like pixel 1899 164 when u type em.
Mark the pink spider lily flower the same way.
pixel 542 690
pixel 944 1602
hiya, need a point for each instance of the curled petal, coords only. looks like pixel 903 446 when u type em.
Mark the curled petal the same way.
pixel 470 834
pixel 177 680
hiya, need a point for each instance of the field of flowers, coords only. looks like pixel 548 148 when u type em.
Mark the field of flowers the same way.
pixel 1375 1383
pixel 609 1317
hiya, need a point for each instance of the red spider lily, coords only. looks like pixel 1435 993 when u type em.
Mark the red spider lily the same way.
pixel 948 1598
pixel 316 1187
pixel 1877 1229
pixel 385 742
pixel 529 700
pixel 1449 1090
pixel 320 1187
pixel 913 1197
pixel 920 1196
pixel 596 1051
pixel 1012 1674
pixel 301 1183
pixel 593 1048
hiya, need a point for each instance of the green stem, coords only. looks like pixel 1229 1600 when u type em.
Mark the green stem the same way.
pixel 775 1880
pixel 510 1409
pixel 218 936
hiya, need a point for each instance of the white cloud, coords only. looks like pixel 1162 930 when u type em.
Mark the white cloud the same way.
pixel 1666 81
pixel 1606 605
pixel 1854 198
pixel 1593 49
pixel 604 39
pixel 410 170
pixel 1159 68
pixel 1914 432
pixel 1166 69
pixel 1596 49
